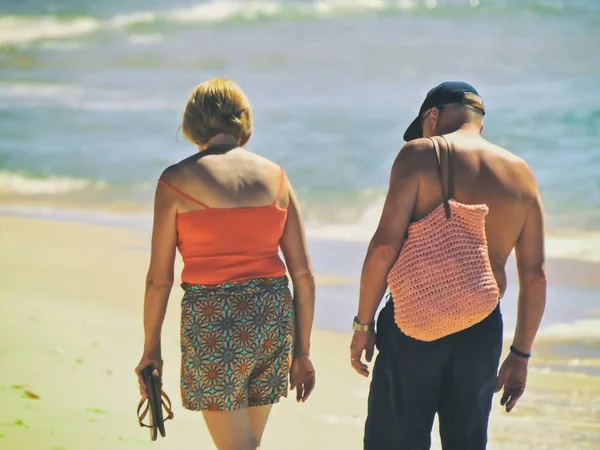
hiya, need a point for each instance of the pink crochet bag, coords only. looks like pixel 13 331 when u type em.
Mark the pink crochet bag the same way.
pixel 443 282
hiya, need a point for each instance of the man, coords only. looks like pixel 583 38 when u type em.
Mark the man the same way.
pixel 454 376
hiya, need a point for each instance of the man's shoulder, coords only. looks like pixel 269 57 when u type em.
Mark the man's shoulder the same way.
pixel 512 169
pixel 416 151
pixel 509 160
pixel 417 146
pixel 413 158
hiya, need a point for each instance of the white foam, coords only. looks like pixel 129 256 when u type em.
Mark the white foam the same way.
pixel 583 246
pixel 43 90
pixel 125 20
pixel 576 244
pixel 12 183
pixel 21 29
pixel 406 4
pixel 143 39
pixel 333 6
pixel 219 11
pixel 81 98
pixel 14 29
pixel 581 329
pixel 360 231
pixel 120 105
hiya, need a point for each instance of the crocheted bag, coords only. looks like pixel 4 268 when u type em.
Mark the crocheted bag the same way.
pixel 443 282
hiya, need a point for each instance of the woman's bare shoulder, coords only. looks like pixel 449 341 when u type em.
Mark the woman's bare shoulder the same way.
pixel 174 172
pixel 259 161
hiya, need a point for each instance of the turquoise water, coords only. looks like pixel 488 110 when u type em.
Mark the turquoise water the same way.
pixel 91 93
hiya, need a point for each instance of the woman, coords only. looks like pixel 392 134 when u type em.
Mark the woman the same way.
pixel 228 211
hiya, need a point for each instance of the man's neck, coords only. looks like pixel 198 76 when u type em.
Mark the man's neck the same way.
pixel 468 127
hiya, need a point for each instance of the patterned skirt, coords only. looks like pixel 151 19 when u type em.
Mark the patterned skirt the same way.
pixel 236 344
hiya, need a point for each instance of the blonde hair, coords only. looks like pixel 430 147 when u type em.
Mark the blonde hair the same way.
pixel 217 106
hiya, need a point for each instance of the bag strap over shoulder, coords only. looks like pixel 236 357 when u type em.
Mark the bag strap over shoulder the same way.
pixel 451 158
pixel 445 165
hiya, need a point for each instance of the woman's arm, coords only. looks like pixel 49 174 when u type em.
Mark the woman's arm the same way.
pixel 294 248
pixel 159 280
pixel 295 251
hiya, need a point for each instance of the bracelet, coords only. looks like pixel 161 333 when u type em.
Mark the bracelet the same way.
pixel 519 353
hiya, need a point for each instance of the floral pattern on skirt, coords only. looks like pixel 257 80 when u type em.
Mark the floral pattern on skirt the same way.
pixel 236 344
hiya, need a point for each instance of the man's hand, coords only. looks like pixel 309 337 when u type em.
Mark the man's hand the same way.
pixel 362 341
pixel 513 377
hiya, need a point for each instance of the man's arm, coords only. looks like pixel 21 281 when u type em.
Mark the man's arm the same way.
pixel 532 302
pixel 384 247
pixel 532 277
pixel 387 241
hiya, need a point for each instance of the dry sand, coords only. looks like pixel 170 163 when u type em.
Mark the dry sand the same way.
pixel 70 333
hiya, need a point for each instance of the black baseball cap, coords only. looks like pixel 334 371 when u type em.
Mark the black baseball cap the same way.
pixel 443 94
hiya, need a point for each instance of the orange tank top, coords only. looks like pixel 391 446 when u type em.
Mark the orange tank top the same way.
pixel 220 245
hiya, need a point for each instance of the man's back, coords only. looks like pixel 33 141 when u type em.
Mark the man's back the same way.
pixel 484 174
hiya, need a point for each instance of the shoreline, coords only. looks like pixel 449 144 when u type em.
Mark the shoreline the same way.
pixel 337 264
pixel 577 246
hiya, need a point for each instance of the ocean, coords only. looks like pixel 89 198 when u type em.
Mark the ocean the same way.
pixel 91 98
pixel 91 94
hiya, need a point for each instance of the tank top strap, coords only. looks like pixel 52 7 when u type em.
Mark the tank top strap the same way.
pixel 280 186
pixel 183 194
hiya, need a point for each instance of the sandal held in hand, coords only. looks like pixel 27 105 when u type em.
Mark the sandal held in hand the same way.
pixel 152 405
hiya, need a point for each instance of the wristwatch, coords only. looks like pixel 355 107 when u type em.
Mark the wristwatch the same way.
pixel 357 326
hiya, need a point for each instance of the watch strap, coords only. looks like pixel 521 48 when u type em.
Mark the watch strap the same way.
pixel 357 326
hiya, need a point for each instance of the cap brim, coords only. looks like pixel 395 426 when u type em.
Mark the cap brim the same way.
pixel 413 131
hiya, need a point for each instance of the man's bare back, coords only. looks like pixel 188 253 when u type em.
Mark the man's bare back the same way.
pixel 490 175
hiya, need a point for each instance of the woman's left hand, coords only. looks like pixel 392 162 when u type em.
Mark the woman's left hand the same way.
pixel 153 360
pixel 302 377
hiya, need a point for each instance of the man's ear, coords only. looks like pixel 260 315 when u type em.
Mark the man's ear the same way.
pixel 434 116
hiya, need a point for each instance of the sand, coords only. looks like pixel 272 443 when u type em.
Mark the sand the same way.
pixel 71 334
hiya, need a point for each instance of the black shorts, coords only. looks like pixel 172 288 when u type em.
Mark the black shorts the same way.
pixel 413 380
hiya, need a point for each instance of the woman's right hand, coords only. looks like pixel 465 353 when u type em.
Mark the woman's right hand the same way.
pixel 302 377
pixel 148 359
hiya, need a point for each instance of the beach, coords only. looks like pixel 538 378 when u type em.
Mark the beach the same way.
pixel 91 101
pixel 71 334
